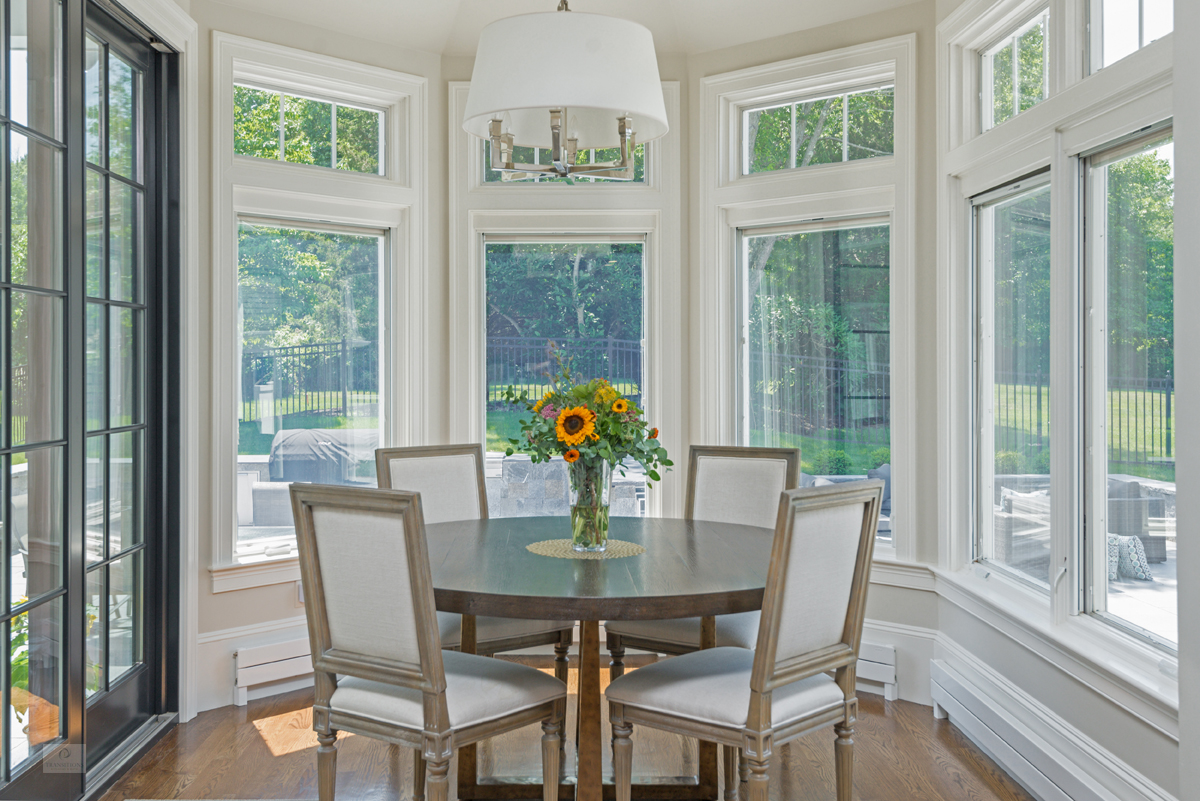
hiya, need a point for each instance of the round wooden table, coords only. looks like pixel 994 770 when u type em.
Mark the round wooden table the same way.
pixel 689 569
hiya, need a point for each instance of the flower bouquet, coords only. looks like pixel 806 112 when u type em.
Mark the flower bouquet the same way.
pixel 594 428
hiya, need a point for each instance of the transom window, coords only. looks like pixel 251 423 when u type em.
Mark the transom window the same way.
pixel 1121 27
pixel 300 130
pixel 1014 74
pixel 826 129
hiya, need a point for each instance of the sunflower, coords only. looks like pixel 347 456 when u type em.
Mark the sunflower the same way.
pixel 537 407
pixel 575 425
pixel 653 433
pixel 620 406
pixel 605 395
pixel 571 456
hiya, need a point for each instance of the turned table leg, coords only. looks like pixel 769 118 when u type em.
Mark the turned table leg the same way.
pixel 588 745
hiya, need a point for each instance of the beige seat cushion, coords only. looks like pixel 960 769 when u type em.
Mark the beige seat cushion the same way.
pixel 494 628
pixel 478 689
pixel 735 631
pixel 713 686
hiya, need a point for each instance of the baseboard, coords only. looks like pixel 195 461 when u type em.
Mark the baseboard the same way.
pixel 215 664
pixel 914 651
pixel 1050 758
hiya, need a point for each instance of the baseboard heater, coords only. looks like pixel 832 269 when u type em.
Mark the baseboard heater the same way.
pixel 878 663
pixel 265 663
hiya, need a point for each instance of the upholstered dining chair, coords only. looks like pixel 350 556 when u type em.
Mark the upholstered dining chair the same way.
pixel 450 480
pixel 811 625
pixel 725 485
pixel 379 666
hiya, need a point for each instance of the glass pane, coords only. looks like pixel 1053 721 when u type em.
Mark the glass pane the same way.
pixel 93 104
pixel 36 57
pixel 768 139
pixel 125 406
pixel 122 116
pixel 36 213
pixel 1158 19
pixel 308 371
pixel 587 299
pixel 37 523
pixel 37 368
pixel 1120 26
pixel 1139 256
pixel 125 491
pixel 124 615
pixel 819 132
pixel 1014 236
pixel 94 628
pixel 95 233
pixel 123 240
pixel 93 477
pixel 1031 46
pixel 871 130
pixel 256 122
pixel 1002 85
pixel 308 131
pixel 35 641
pixel 359 143
pixel 816 369
pixel 95 366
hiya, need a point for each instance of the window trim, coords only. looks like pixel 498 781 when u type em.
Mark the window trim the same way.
pixel 729 201
pixel 395 202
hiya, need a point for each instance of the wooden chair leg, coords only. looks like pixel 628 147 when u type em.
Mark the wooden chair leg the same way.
pixel 843 758
pixel 732 785
pixel 418 776
pixel 562 651
pixel 759 780
pixel 326 764
pixel 551 741
pixel 743 767
pixel 623 759
pixel 616 652
pixel 439 780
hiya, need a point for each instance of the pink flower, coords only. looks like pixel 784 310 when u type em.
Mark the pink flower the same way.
pixel 549 412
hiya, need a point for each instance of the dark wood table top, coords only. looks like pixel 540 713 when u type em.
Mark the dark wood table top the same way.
pixel 690 568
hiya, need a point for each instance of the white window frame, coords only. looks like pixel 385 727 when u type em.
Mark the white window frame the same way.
pixel 987 102
pixel 1080 115
pixel 650 210
pixel 729 201
pixel 395 202
pixel 1096 29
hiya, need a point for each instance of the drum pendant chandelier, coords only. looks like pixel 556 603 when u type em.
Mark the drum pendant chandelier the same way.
pixel 565 82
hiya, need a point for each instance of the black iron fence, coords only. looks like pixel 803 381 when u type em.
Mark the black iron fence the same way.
pixel 525 362
pixel 329 378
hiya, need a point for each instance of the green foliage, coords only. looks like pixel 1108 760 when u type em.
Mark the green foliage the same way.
pixel 1040 463
pixel 831 463
pixel 825 131
pixel 1030 83
pixel 880 457
pixel 1008 463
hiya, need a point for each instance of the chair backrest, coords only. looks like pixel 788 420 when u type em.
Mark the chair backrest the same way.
pixel 449 478
pixel 739 485
pixel 816 591
pixel 368 588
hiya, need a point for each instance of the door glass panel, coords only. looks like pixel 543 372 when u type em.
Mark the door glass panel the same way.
pixel 92 78
pixel 95 366
pixel 36 213
pixel 36 57
pixel 36 538
pixel 122 120
pixel 37 370
pixel 93 625
pixel 124 615
pixel 124 387
pixel 95 234
pixel 123 238
pixel 93 476
pixel 125 495
pixel 36 659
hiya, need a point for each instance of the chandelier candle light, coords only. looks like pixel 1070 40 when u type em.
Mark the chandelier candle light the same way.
pixel 565 82
pixel 594 428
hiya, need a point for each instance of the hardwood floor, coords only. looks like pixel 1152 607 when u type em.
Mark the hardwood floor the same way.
pixel 267 750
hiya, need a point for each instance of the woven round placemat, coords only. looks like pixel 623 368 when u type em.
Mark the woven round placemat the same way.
pixel 561 549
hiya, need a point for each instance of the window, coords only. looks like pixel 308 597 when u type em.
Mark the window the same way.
pixel 820 130
pixel 538 155
pixel 300 130
pixel 1131 396
pixel 586 299
pixel 816 359
pixel 308 372
pixel 1014 74
pixel 1012 235
pixel 1121 27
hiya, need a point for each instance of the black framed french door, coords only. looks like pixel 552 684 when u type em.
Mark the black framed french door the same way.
pixel 87 354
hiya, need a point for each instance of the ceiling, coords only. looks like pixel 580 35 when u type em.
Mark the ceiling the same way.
pixel 451 27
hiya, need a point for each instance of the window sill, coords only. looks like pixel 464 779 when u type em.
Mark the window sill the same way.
pixel 260 573
pixel 1119 666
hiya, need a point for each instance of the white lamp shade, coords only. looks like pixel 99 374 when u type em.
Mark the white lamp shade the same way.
pixel 597 68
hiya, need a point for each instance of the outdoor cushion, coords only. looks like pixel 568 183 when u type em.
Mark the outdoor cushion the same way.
pixel 1131 558
pixel 493 628
pixel 821 481
pixel 1114 557
pixel 713 686
pixel 884 471
pixel 478 689
pixel 738 631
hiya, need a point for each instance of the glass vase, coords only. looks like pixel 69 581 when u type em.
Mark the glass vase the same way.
pixel 589 505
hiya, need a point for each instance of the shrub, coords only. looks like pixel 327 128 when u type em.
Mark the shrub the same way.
pixel 1041 463
pixel 1007 463
pixel 831 463
pixel 880 456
